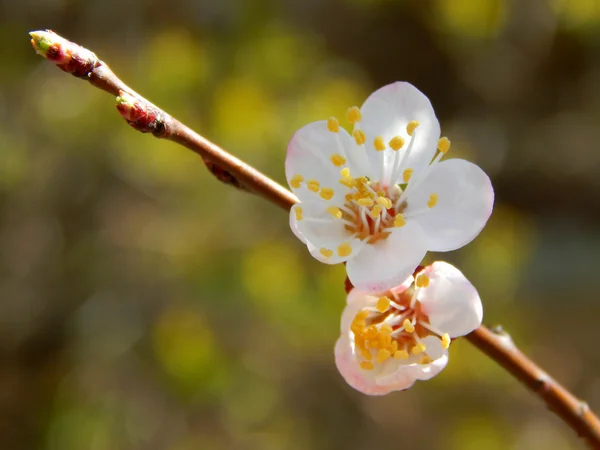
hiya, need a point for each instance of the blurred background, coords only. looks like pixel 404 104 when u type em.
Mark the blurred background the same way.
pixel 144 305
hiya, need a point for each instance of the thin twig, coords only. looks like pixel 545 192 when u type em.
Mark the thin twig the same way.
pixel 146 117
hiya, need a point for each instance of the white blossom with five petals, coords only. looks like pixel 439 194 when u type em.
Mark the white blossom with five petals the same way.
pixel 379 199
pixel 391 339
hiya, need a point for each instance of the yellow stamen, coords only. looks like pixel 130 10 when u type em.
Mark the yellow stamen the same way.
pixel 366 365
pixel 353 115
pixel 383 304
pixel 371 332
pixel 348 182
pixel 379 144
pixel 445 341
pixel 345 172
pixel 298 211
pixel 422 280
pixel 313 185
pixel 386 329
pixel 362 315
pixel 359 137
pixel 338 160
pixel 335 212
pixel 411 127
pixel 296 180
pixel 366 354
pixel 383 355
pixel 401 354
pixel 444 144
pixel 385 202
pixel 396 143
pixel 333 125
pixel 375 211
pixel 365 201
pixel 425 360
pixel 399 221
pixel 394 347
pixel 327 193
pixel 407 175
pixel 344 249
pixel 433 199
pixel 419 348
pixel 373 344
pixel 326 252
pixel 408 326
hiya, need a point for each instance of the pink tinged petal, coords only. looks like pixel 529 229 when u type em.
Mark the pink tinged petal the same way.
pixel 451 302
pixel 364 380
pixel 387 112
pixel 423 372
pixel 464 204
pixel 389 262
pixel 309 155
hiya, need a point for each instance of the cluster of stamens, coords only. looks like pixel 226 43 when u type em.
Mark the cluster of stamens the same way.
pixel 372 208
pixel 394 328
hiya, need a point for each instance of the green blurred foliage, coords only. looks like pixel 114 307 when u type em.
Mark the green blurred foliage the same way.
pixel 145 306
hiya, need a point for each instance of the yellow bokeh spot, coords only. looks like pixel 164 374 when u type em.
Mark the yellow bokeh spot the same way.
pixel 473 19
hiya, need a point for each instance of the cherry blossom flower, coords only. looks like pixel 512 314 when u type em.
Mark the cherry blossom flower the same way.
pixel 393 338
pixel 379 199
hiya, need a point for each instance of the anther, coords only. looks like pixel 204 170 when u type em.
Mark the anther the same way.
pixel 408 326
pixel 399 221
pixel 345 172
pixel 334 211
pixel 366 365
pixel 425 360
pixel 407 175
pixel 412 126
pixel 418 349
pixel 359 137
pixel 385 202
pixel 433 199
pixel 298 211
pixel 386 329
pixel 327 193
pixel 379 144
pixel 375 211
pixel 365 201
pixel 333 125
pixel 445 341
pixel 366 354
pixel 383 304
pixel 401 354
pixel 353 115
pixel 444 144
pixel 338 160
pixel 313 185
pixel 396 143
pixel 422 280
pixel 382 355
pixel 344 249
pixel 326 252
pixel 362 315
pixel 296 180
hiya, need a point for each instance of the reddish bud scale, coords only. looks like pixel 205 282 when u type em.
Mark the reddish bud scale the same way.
pixel 68 56
pixel 141 115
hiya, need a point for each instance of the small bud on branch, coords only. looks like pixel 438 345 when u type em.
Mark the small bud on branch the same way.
pixel 68 56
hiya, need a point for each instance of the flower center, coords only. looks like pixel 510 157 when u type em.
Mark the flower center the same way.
pixel 371 210
pixel 394 329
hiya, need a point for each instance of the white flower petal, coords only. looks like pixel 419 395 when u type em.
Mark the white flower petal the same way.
pixel 387 112
pixel 387 263
pixel 364 380
pixel 465 202
pixel 309 155
pixel 422 372
pixel 451 302
pixel 320 230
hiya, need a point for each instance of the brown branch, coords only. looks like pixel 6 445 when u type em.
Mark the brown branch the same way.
pixel 146 117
